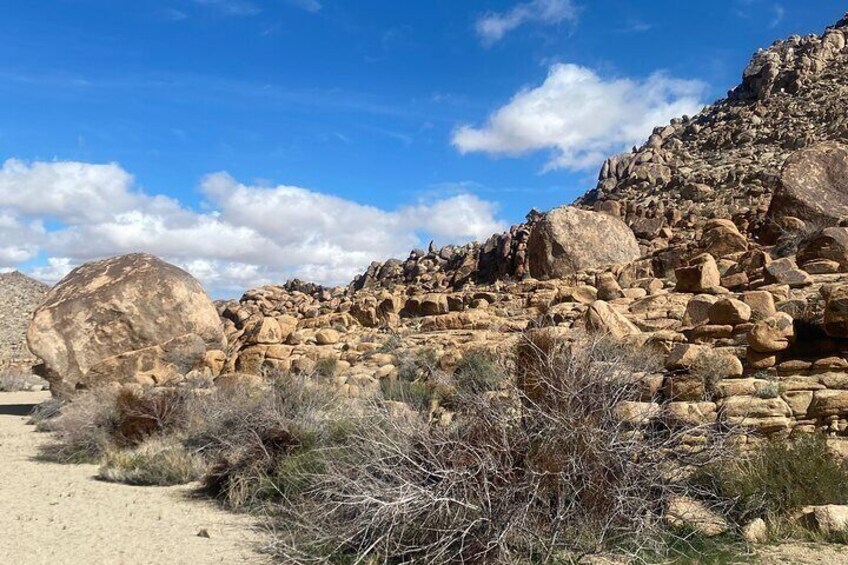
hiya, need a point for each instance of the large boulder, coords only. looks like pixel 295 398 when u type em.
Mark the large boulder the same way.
pixel 568 240
pixel 813 187
pixel 130 314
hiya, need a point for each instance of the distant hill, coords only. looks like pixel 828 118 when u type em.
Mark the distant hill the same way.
pixel 20 295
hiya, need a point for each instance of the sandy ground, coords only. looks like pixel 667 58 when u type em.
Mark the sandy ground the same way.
pixel 60 514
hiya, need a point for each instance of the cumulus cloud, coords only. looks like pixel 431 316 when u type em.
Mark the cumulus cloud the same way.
pixel 20 241
pixel 493 26
pixel 581 117
pixel 250 235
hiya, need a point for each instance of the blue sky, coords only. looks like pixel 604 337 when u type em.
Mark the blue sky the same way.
pixel 327 133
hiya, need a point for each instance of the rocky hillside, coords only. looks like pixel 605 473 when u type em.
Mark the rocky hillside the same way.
pixel 19 297
pixel 722 163
pixel 720 246
pixel 705 245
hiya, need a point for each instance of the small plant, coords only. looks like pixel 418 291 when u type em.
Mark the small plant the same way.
pixel 711 367
pixel 416 365
pixel 327 366
pixel 479 371
pixel 154 462
pixel 778 478
pixel 416 394
pixel 769 390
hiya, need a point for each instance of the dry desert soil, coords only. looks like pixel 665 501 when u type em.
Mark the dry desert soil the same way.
pixel 60 514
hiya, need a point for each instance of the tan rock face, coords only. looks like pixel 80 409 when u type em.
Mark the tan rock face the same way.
pixel 603 318
pixel 117 306
pixel 683 511
pixel 701 274
pixel 813 186
pixel 568 240
pixel 773 334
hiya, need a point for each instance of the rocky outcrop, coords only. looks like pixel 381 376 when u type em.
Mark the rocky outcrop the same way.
pixel 813 188
pixel 568 240
pixel 19 297
pixel 130 318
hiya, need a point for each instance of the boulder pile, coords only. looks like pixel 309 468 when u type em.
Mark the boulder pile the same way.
pixel 718 246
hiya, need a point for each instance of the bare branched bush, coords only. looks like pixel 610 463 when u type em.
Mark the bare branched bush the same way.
pixel 542 470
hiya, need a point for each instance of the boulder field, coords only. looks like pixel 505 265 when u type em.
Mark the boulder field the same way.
pixel 720 245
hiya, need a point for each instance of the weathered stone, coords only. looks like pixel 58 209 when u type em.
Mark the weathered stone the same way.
pixel 636 413
pixel 761 303
pixel 689 413
pixel 608 287
pixel 827 520
pixel 434 304
pixel 773 334
pixel 685 512
pixel 699 358
pixel 697 310
pixel 729 311
pixel 829 403
pixel 117 306
pixel 722 238
pixel 603 318
pixel 831 244
pixel 813 186
pixel 568 240
pixel 785 271
pixel 327 337
pixel 701 274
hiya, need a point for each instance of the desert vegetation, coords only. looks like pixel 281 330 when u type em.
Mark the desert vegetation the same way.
pixel 544 461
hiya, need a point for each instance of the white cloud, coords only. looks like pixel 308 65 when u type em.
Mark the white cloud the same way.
pixel 493 26
pixel 73 191
pixel 251 235
pixel 581 117
pixel 20 241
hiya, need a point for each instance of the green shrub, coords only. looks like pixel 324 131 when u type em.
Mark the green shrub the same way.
pixel 416 394
pixel 779 477
pixel 154 462
pixel 478 372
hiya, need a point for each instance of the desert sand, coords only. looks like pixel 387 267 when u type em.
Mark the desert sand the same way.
pixel 60 514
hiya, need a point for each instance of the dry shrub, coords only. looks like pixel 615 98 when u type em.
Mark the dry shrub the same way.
pixel 154 462
pixel 13 380
pixel 246 434
pixel 84 428
pixel 540 471
pixel 141 414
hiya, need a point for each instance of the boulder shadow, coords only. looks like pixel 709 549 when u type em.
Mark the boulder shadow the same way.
pixel 16 409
